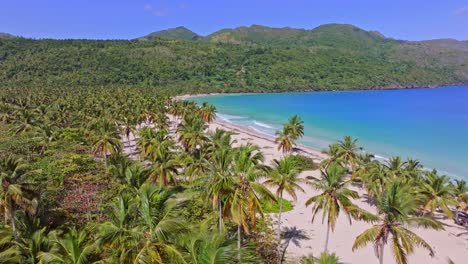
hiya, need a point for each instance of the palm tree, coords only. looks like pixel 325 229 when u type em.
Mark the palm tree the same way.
pixel 73 248
pixel 375 179
pixel 460 189
pixel 334 156
pixel 36 244
pixel 284 140
pixel 285 177
pixel 396 207
pixel 325 258
pixel 141 227
pixel 348 151
pixel 195 165
pixel 220 181
pixel 296 127
pixel 9 251
pixel 437 193
pixel 128 127
pixel 208 112
pixel 118 165
pixel 206 247
pixel 165 168
pixel 248 191
pixel 150 142
pixel 334 196
pixel 157 211
pixel 15 190
pixel 395 167
pixel 191 133
pixel 106 139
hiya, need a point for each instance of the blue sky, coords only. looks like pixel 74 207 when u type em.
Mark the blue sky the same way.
pixel 124 19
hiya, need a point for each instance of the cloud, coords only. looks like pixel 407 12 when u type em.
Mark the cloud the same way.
pixel 155 12
pixel 462 11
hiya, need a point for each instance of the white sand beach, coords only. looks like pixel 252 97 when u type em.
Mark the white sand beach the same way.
pixel 445 243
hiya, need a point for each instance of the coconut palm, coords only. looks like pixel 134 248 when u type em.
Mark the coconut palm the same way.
pixel 285 177
pixel 106 139
pixel 36 244
pixel 151 142
pixel 349 151
pixel 195 165
pixel 165 168
pixel 460 189
pixel 248 191
pixel 396 167
pixel 296 127
pixel 9 251
pixel 128 127
pixel 375 179
pixel 118 165
pixel 207 112
pixel 140 228
pixel 396 208
pixel 15 190
pixel 325 258
pixel 334 156
pixel 74 247
pixel 437 192
pixel 334 197
pixel 204 246
pixel 220 181
pixel 284 140
pixel 191 133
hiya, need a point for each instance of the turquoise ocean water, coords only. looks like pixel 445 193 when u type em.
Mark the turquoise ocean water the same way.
pixel 426 124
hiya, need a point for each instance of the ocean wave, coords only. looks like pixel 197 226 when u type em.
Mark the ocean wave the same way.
pixel 229 118
pixel 260 124
pixel 260 131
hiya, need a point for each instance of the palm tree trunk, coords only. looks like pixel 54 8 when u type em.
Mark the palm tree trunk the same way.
pixel 279 227
pixel 381 253
pixel 327 237
pixel 239 238
pixel 455 217
pixel 13 222
pixel 220 215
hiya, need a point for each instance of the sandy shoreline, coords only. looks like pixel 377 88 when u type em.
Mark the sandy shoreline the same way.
pixel 446 243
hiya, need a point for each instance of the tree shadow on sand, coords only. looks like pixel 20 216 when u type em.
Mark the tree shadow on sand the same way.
pixel 291 234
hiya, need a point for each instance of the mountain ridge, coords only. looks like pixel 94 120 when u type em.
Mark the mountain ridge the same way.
pixel 254 58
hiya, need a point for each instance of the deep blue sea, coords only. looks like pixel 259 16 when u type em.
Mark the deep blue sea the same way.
pixel 430 125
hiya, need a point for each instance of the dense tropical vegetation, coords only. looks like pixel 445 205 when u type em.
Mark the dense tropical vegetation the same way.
pixel 127 175
pixel 256 58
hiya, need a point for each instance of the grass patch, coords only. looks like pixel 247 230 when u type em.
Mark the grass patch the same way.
pixel 305 162
pixel 272 207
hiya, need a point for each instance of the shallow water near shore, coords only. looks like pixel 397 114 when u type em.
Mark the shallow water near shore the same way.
pixel 426 124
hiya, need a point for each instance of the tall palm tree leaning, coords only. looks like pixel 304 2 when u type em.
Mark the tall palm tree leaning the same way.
pixel 284 177
pixel 15 191
pixel 248 191
pixel 396 209
pixel 334 196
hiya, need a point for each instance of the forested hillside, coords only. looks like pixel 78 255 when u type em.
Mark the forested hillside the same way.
pixel 253 58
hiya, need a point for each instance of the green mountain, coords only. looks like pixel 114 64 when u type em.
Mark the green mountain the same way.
pixel 254 59
pixel 173 33
pixel 331 35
